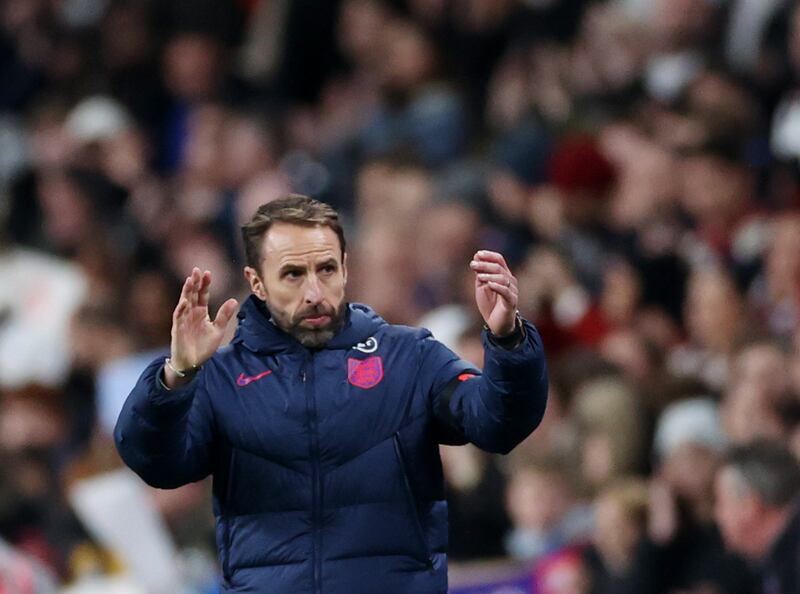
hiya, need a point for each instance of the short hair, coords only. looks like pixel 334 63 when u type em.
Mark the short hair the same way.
pixel 294 209
pixel 767 469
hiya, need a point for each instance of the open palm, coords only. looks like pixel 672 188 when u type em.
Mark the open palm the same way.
pixel 195 336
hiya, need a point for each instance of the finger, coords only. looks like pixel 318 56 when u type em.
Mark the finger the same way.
pixel 225 313
pixel 186 288
pixel 490 256
pixel 500 279
pixel 180 309
pixel 492 267
pixel 506 292
pixel 194 295
pixel 203 293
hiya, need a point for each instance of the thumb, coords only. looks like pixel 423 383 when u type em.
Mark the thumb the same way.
pixel 225 313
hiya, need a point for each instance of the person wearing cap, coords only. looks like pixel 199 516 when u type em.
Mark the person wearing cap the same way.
pixel 321 423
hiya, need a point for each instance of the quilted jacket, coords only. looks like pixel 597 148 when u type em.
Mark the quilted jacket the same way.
pixel 325 462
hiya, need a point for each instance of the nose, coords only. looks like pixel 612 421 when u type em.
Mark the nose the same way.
pixel 313 292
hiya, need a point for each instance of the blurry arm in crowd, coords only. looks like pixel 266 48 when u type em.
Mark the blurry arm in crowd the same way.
pixel 166 428
pixel 495 410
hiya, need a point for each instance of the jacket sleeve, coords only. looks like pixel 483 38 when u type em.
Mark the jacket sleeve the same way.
pixel 495 409
pixel 165 436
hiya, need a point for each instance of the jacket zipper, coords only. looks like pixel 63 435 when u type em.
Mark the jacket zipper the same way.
pixel 226 563
pixel 412 503
pixel 307 376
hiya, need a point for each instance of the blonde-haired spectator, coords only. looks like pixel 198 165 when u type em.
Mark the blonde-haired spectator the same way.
pixel 612 430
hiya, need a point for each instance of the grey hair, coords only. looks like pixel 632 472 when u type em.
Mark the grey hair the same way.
pixel 767 469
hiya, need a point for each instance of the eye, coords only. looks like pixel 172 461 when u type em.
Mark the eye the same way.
pixel 292 274
pixel 328 269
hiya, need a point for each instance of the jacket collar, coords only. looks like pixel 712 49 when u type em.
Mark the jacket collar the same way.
pixel 257 332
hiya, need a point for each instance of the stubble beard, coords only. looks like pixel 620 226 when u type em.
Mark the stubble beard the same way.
pixel 312 338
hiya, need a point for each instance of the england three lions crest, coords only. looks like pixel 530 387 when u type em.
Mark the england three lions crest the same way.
pixel 365 373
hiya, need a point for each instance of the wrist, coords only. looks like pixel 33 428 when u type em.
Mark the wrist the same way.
pixel 506 332
pixel 175 376
pixel 511 339
pixel 514 328
pixel 181 369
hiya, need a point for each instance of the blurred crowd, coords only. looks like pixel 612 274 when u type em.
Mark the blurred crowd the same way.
pixel 635 160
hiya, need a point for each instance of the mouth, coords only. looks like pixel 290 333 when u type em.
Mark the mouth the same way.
pixel 317 321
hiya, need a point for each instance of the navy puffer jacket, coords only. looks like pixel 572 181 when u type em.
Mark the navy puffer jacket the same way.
pixel 325 463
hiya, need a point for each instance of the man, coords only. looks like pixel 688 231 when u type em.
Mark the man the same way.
pixel 757 491
pixel 320 422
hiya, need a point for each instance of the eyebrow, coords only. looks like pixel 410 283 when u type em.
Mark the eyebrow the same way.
pixel 302 267
pixel 291 268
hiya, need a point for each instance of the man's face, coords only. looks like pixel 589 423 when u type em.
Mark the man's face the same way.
pixel 736 513
pixel 301 279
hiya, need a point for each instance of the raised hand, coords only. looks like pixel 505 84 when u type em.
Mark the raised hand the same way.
pixel 195 336
pixel 496 292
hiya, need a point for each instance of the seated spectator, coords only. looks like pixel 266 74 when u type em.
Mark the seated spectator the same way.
pixel 475 493
pixel 614 560
pixel 760 400
pixel 686 550
pixel 757 490
pixel 612 430
pixel 545 511
pixel 715 320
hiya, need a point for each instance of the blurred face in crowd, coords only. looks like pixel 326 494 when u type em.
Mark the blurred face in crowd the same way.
pixel 763 365
pixel 390 193
pixel 361 23
pixel 783 259
pixel 626 349
pixel 302 280
pixel 712 310
pixel 149 301
pixel 597 458
pixel 446 237
pixel 537 499
pixel 717 96
pixel 689 470
pixel 760 379
pixel 714 190
pixel 67 211
pixel 384 274
pixel 409 56
pixel 647 176
pixel 616 533
pixel 31 419
pixel 679 22
pixel 192 66
pixel 736 513
pixel 247 150
pixel 748 413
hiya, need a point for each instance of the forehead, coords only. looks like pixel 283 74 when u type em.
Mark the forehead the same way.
pixel 285 242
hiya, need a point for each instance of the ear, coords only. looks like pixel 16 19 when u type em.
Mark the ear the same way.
pixel 256 285
pixel 344 268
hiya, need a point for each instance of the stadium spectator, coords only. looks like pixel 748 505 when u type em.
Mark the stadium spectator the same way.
pixel 757 488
